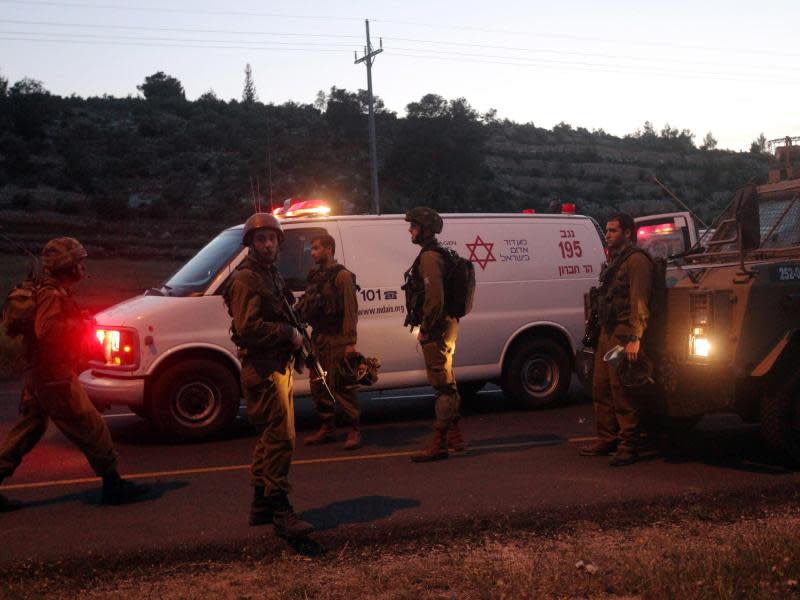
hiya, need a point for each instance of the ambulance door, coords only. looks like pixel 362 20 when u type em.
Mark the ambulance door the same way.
pixel 379 252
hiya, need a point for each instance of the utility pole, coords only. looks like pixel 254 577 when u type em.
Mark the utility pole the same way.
pixel 368 59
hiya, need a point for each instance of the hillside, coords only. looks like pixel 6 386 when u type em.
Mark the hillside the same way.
pixel 158 175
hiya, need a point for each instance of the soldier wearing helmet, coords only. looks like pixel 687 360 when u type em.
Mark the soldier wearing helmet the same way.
pixel 266 341
pixel 425 300
pixel 330 306
pixel 625 289
pixel 51 390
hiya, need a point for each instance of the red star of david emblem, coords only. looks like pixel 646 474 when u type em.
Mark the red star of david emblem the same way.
pixel 473 256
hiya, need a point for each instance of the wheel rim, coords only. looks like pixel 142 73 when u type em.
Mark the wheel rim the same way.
pixel 540 375
pixel 195 403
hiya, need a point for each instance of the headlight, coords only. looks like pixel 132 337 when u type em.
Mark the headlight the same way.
pixel 699 345
pixel 116 347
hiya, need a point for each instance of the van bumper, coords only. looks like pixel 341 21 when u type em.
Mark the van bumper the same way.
pixel 103 389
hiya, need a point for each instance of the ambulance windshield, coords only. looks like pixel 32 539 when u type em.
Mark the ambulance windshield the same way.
pixel 195 276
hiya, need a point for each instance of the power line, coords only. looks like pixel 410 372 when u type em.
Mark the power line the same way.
pixel 178 29
pixel 669 45
pixel 595 68
pixel 148 45
pixel 566 52
pixel 165 39
pixel 179 10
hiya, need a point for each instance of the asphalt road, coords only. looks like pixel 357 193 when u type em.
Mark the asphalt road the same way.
pixel 517 462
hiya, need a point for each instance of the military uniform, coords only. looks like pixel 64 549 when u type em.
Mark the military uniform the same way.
pixel 624 297
pixel 264 336
pixel 51 388
pixel 330 306
pixel 438 331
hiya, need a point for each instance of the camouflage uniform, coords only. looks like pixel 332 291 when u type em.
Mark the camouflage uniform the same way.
pixel 425 301
pixel 440 332
pixel 52 390
pixel 263 335
pixel 623 312
pixel 331 308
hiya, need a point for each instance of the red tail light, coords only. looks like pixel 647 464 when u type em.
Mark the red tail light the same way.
pixel 116 347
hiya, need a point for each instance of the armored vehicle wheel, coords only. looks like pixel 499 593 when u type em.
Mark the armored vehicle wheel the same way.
pixel 194 399
pixel 537 373
pixel 780 421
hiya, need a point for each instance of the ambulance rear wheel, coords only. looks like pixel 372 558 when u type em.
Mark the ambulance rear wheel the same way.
pixel 537 374
pixel 194 399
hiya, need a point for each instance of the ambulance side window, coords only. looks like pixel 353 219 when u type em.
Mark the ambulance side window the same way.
pixel 295 261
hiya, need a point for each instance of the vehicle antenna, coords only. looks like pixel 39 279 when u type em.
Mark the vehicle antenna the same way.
pixel 678 200
pixel 269 161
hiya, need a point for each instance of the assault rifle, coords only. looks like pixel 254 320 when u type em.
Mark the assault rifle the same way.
pixel 306 352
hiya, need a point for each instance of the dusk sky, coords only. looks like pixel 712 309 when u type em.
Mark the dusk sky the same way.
pixel 727 67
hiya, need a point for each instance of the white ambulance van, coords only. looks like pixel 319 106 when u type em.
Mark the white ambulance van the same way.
pixel 168 355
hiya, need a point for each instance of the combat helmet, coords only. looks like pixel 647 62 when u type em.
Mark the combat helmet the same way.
pixel 258 221
pixel 62 253
pixel 356 369
pixel 428 218
pixel 635 374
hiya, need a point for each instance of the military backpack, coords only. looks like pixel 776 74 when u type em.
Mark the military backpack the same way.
pixel 459 286
pixel 19 309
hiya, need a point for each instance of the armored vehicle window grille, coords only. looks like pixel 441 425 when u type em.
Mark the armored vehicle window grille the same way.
pixel 787 232
pixel 699 302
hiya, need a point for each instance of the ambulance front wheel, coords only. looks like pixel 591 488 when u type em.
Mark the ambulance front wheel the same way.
pixel 194 399
pixel 537 373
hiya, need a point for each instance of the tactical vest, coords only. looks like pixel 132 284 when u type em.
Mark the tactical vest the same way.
pixel 65 347
pixel 271 291
pixel 322 306
pixel 614 299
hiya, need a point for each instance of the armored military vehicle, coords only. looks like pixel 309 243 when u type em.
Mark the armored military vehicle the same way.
pixel 727 336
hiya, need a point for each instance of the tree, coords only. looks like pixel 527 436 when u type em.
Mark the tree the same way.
pixel 3 86
pixel 161 86
pixel 709 142
pixel 759 145
pixel 321 101
pixel 249 95
pixel 27 86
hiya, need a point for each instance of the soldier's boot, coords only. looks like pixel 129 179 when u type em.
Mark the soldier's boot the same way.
pixel 285 521
pixel 454 438
pixel 324 435
pixel 598 449
pixel 8 504
pixel 353 441
pixel 436 451
pixel 260 508
pixel 117 490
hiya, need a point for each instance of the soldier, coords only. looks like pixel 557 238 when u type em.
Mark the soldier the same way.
pixel 625 288
pixel 330 306
pixel 51 387
pixel 266 342
pixel 425 299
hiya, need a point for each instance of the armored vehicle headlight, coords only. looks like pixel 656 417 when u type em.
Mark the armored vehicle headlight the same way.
pixel 698 342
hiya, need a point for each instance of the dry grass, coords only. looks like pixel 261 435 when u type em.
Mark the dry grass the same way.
pixel 755 558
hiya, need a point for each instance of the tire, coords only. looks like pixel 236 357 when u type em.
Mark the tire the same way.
pixel 780 422
pixel 537 374
pixel 194 399
pixel 468 391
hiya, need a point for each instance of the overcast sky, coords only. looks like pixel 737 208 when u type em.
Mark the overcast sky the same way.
pixel 729 67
